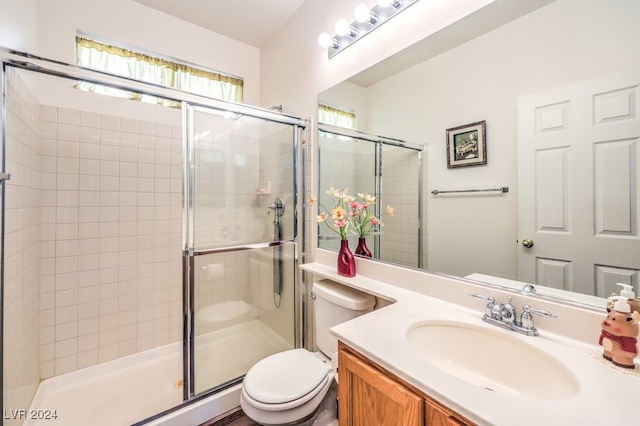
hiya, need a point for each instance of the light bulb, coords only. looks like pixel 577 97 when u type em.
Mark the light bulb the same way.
pixel 325 40
pixel 362 13
pixel 384 3
pixel 342 27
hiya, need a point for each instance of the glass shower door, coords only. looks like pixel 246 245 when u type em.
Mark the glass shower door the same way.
pixel 241 244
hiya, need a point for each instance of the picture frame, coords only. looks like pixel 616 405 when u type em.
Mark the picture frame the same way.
pixel 467 145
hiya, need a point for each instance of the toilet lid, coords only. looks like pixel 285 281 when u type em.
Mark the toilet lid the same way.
pixel 285 376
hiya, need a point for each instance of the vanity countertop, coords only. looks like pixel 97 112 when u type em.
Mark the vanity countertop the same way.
pixel 607 395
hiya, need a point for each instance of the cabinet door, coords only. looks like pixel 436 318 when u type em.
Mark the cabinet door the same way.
pixel 437 415
pixel 368 397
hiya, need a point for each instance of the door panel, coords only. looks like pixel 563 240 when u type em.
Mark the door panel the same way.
pixel 579 193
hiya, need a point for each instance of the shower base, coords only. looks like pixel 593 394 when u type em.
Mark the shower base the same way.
pixel 129 389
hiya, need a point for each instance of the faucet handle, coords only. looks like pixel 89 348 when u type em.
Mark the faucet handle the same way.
pixel 527 320
pixel 540 312
pixel 491 299
pixel 490 305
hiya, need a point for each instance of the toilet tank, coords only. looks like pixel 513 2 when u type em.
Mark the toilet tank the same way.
pixel 334 304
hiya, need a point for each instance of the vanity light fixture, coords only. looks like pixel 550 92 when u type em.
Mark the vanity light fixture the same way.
pixel 366 18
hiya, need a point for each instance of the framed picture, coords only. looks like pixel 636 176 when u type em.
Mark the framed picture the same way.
pixel 467 145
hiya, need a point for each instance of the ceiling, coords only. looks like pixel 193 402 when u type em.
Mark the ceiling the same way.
pixel 253 22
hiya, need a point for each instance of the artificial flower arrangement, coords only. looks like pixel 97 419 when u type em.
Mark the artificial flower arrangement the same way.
pixel 349 212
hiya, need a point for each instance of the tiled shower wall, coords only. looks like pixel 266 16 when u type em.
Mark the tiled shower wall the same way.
pixel 22 247
pixel 111 224
pixel 93 239
pixel 400 184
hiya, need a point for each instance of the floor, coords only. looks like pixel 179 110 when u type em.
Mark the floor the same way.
pixel 233 418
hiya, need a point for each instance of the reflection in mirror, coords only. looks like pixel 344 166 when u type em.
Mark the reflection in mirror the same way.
pixel 558 89
pixel 390 171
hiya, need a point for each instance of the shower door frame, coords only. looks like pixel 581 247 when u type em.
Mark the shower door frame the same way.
pixel 190 253
pixel 38 64
pixel 379 142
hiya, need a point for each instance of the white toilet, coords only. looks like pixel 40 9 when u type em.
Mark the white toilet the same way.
pixel 290 387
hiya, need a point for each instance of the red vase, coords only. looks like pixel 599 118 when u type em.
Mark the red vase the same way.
pixel 362 249
pixel 346 261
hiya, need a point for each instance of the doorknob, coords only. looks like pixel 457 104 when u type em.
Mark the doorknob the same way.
pixel 528 243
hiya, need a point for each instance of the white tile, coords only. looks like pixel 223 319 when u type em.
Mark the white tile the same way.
pixel 127 347
pixel 66 364
pixel 66 314
pixel 110 137
pixel 47 352
pixel 66 298
pixel 88 322
pixel 89 119
pixel 108 307
pixel 66 231
pixel 129 125
pixel 89 166
pixel 47 318
pixel 68 132
pixel 107 353
pixel 47 369
pixel 87 342
pixel 66 331
pixel 67 215
pixel 109 122
pixel 68 116
pixel 89 183
pixel 88 294
pixel 146 128
pixel 48 113
pixel 89 136
pixel 87 358
pixel 89 231
pixel 108 329
pixel 67 198
pixel 67 347
pixel 68 149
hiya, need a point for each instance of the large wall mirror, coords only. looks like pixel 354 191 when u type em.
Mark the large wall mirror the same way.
pixel 558 90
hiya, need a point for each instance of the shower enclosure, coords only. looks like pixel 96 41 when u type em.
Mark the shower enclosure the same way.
pixel 141 268
pixel 389 169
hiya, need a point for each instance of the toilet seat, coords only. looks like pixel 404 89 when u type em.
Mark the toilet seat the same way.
pixel 286 380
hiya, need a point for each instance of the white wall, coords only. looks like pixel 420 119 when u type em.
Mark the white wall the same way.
pixel 308 71
pixel 19 24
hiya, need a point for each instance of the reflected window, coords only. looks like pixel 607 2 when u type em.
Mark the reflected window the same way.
pixel 335 116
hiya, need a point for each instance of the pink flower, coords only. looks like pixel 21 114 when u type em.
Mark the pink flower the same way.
pixel 312 201
pixel 340 223
pixel 322 217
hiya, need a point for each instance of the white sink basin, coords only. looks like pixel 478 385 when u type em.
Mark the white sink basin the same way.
pixel 492 361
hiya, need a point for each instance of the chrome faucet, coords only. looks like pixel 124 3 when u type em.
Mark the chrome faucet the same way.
pixel 504 315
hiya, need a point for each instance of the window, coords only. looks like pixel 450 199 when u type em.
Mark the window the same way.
pixel 150 69
pixel 336 116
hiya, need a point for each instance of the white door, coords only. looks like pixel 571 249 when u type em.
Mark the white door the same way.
pixel 578 185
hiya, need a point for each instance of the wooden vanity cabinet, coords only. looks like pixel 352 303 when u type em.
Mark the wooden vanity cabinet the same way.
pixel 370 395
